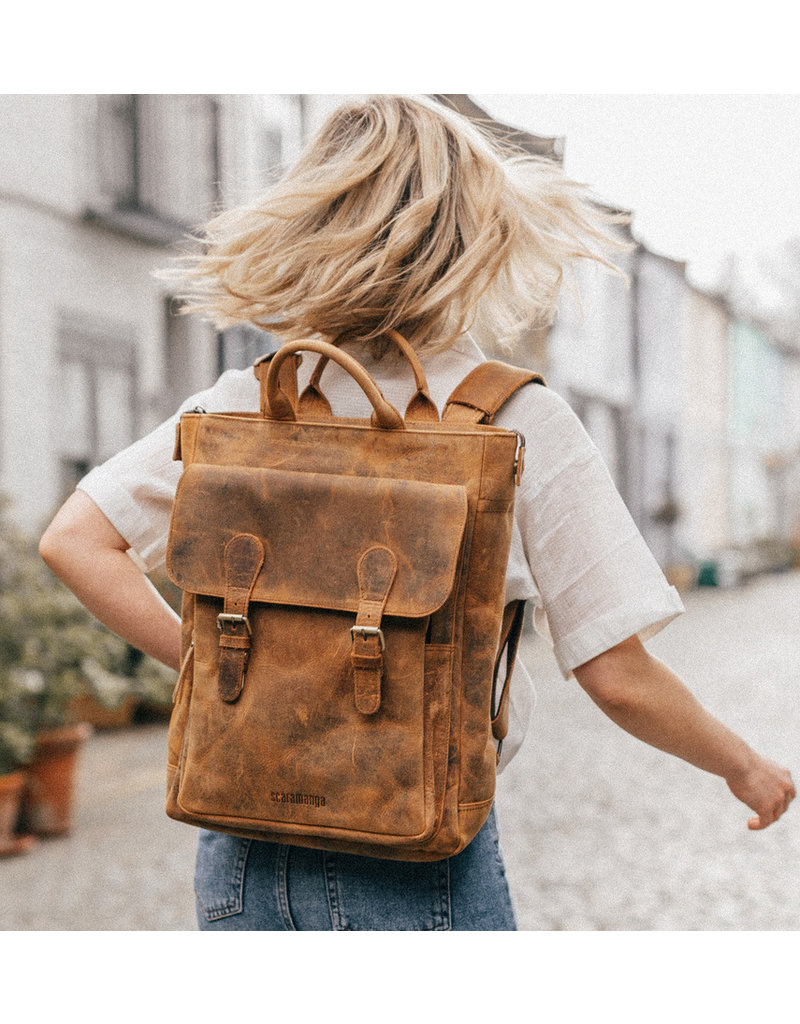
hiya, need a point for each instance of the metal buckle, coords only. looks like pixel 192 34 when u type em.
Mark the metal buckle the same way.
pixel 365 631
pixel 234 620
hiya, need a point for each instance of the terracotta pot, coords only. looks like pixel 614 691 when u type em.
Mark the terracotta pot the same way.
pixel 86 709
pixel 49 795
pixel 12 787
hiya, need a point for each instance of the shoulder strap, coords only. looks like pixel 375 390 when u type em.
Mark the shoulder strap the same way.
pixel 477 399
pixel 481 394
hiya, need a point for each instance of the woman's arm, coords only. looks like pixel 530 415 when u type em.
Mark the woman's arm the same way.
pixel 89 555
pixel 644 697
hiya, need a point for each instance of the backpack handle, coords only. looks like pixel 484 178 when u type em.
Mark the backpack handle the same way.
pixel 420 408
pixel 280 407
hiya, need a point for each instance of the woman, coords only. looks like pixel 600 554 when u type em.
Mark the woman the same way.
pixel 402 215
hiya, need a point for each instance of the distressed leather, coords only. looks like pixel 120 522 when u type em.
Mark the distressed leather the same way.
pixel 377 569
pixel 368 559
pixel 242 559
pixel 312 404
pixel 306 562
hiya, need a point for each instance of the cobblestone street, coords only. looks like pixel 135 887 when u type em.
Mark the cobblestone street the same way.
pixel 600 832
pixel 603 832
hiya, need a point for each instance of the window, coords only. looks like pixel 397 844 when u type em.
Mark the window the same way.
pixel 158 156
pixel 272 149
pixel 95 401
pixel 118 150
pixel 190 357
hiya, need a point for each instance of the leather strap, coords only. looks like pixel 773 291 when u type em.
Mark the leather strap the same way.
pixel 276 404
pixel 421 408
pixel 482 393
pixel 287 376
pixel 244 556
pixel 312 403
pixel 478 399
pixel 511 631
pixel 377 568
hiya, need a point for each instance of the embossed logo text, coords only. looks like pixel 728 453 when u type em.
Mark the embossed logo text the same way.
pixel 310 799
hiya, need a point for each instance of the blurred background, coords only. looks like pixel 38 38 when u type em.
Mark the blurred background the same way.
pixel 687 379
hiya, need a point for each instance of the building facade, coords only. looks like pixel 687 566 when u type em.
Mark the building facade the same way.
pixel 589 360
pixel 96 193
pixel 758 434
pixel 703 487
pixel 696 412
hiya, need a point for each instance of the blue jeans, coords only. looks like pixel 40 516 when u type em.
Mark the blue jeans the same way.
pixel 249 885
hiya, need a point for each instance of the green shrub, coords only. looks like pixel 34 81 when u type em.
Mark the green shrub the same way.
pixel 52 649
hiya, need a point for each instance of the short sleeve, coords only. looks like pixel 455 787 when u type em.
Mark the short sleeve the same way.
pixel 594 578
pixel 135 489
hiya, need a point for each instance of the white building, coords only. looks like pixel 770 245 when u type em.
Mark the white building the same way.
pixel 95 192
pixel 697 418
pixel 703 480
pixel 660 296
pixel 790 462
pixel 590 360
pixel 759 432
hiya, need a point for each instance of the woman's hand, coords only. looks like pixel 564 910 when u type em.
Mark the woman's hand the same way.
pixel 766 788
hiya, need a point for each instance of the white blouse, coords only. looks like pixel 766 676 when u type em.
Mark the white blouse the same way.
pixel 576 554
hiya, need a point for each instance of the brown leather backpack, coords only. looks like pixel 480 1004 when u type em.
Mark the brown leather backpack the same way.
pixel 343 613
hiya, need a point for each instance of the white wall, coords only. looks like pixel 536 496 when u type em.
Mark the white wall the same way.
pixel 662 294
pixel 703 477
pixel 590 343
pixel 57 269
pixel 792 447
pixel 53 271
pixel 39 159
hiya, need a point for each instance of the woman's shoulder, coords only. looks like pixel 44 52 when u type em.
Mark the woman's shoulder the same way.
pixel 555 438
pixel 537 405
pixel 534 407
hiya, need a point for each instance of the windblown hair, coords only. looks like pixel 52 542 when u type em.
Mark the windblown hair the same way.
pixel 399 214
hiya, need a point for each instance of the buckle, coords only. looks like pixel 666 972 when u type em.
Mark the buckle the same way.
pixel 234 620
pixel 365 631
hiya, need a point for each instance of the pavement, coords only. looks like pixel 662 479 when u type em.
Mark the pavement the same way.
pixel 600 832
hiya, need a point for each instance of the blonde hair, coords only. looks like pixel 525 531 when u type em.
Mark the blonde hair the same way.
pixel 399 214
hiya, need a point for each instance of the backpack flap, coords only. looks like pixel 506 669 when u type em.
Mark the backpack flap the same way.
pixel 245 535
pixel 306 563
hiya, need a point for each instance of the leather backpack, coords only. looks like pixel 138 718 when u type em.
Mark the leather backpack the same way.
pixel 343 613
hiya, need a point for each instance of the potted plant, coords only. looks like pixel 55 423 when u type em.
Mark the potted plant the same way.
pixel 47 636
pixel 66 648
pixel 107 700
pixel 66 668
pixel 16 748
pixel 16 733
